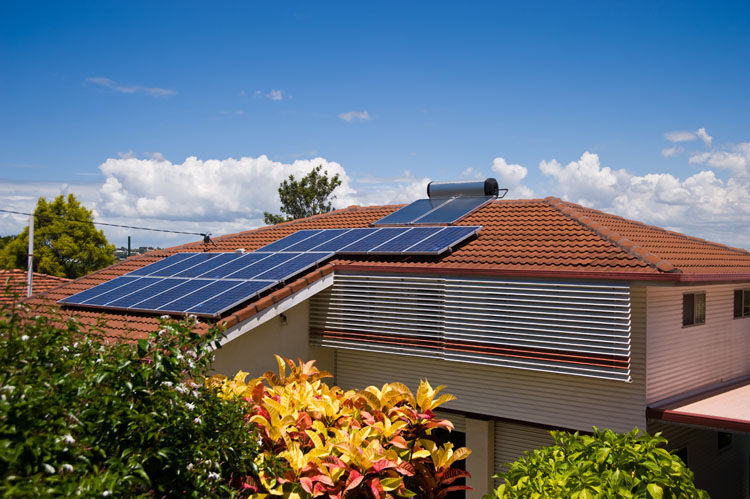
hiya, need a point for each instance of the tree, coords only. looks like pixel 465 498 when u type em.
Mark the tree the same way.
pixel 605 464
pixel 66 243
pixel 309 196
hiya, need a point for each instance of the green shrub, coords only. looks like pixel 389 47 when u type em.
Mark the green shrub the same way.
pixel 81 415
pixel 603 465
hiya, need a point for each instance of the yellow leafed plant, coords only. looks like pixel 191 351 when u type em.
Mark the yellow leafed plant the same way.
pixel 321 441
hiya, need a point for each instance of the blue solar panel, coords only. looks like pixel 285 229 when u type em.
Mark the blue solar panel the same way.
pixel 162 264
pixel 217 304
pixel 208 265
pixel 131 287
pixel 160 297
pixel 234 265
pixel 408 214
pixel 293 266
pixel 373 240
pixel 408 238
pixel 206 292
pixel 183 265
pixel 284 243
pixel 254 270
pixel 155 288
pixel 98 290
pixel 446 238
pixel 311 242
pixel 454 210
pixel 344 240
pixel 211 283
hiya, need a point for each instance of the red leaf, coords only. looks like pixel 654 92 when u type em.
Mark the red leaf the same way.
pixel 304 421
pixel 382 464
pixel 405 468
pixel 451 475
pixel 376 487
pixel 398 441
pixel 306 483
pixel 333 462
pixel 354 479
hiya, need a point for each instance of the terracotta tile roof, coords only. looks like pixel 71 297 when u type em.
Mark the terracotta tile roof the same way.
pixel 540 237
pixel 13 284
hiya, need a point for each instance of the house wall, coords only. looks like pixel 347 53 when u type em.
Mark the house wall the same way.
pixel 680 358
pixel 724 473
pixel 254 351
pixel 551 399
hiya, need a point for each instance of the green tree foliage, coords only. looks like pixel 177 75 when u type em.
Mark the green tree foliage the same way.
pixel 66 243
pixel 603 465
pixel 309 196
pixel 82 416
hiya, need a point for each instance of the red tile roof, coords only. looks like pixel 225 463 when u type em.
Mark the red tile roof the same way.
pixel 13 284
pixel 536 237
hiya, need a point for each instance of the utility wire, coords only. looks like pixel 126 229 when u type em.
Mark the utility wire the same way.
pixel 116 225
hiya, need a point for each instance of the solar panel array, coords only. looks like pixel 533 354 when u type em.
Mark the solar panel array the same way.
pixel 435 211
pixel 209 284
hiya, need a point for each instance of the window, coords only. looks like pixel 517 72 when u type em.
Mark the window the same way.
pixel 723 440
pixel 741 303
pixel 693 309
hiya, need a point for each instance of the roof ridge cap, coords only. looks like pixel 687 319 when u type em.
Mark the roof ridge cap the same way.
pixel 571 210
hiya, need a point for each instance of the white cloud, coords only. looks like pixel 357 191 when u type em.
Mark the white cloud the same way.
pixel 511 177
pixel 273 94
pixel 680 136
pixel 472 174
pixel 688 136
pixel 131 89
pixel 671 151
pixel 735 159
pixel 355 116
pixel 705 137
pixel 701 205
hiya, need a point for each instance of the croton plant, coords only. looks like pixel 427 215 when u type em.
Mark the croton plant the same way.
pixel 323 441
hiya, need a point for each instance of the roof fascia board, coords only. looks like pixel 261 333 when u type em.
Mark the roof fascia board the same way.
pixel 562 274
pixel 282 306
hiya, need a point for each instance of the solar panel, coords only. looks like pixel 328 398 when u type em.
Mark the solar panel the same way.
pixel 408 214
pixel 234 296
pixel 443 240
pixel 211 283
pixel 373 240
pixel 289 240
pixel 440 211
pixel 344 240
pixel 131 287
pixel 105 287
pixel 405 239
pixel 454 210
pixel 298 263
pixel 317 239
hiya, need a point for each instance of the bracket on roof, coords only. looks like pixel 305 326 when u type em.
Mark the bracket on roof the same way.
pixel 207 239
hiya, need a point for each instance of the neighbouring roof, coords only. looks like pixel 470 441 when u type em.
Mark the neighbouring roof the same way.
pixel 14 284
pixel 533 238
pixel 725 408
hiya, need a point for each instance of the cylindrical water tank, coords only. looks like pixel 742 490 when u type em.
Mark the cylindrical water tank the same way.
pixel 487 187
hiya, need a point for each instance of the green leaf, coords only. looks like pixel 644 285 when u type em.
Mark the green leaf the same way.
pixel 655 491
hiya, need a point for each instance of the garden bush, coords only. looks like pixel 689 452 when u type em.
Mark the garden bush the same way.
pixel 321 441
pixel 603 465
pixel 84 416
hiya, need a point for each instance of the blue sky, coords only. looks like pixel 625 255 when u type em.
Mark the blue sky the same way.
pixel 636 108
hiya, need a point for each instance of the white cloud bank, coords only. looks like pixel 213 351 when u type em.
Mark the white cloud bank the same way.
pixel 686 136
pixel 355 116
pixel 131 89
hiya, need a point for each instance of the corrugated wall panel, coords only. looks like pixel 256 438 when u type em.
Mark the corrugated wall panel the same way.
pixel 556 400
pixel 512 440
pixel 684 358
pixel 578 328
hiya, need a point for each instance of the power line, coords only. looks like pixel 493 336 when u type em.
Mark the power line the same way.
pixel 115 225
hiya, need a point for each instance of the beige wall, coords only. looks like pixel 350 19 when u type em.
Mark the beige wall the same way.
pixel 254 351
pixel 723 473
pixel 684 358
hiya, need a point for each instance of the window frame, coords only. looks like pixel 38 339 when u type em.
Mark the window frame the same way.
pixel 741 308
pixel 694 301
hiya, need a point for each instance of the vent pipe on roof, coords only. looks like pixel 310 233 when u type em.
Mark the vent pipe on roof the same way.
pixel 487 187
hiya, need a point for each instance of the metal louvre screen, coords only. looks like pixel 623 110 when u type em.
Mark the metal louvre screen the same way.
pixel 563 327
pixel 383 314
